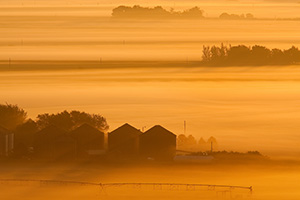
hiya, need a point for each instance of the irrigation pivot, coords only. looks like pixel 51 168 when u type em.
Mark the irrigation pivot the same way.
pixel 161 186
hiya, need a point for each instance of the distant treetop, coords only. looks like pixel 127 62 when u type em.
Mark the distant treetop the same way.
pixel 138 12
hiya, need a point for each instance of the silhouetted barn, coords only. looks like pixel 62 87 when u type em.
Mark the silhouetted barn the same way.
pixel 54 143
pixel 6 142
pixel 158 143
pixel 24 137
pixel 89 141
pixel 124 141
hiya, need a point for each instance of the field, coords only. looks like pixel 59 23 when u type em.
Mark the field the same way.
pixel 271 181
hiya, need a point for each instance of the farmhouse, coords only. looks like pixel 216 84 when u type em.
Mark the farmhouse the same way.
pixel 158 143
pixel 89 141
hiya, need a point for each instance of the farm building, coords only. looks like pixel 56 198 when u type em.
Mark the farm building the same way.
pixel 158 143
pixel 24 136
pixel 89 141
pixel 124 141
pixel 54 143
pixel 6 142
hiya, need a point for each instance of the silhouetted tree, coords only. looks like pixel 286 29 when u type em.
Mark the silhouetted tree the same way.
pixel 70 120
pixel 206 54
pixel 186 143
pixel 194 12
pixel 181 140
pixel 215 54
pixel 11 116
pixel 292 54
pixel 191 141
pixel 202 145
pixel 260 55
pixel 239 54
pixel 249 16
pixel 212 142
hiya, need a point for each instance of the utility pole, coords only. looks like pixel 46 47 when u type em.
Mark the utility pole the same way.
pixel 184 127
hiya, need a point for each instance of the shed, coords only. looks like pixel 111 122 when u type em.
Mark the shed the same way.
pixel 89 141
pixel 158 143
pixel 54 143
pixel 124 141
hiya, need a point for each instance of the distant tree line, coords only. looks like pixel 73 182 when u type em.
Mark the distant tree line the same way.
pixel 243 55
pixel 158 12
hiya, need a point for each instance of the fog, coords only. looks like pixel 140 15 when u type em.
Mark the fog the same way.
pixel 72 55
pixel 246 108
pixel 58 34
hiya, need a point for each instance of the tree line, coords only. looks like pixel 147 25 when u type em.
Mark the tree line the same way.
pixel 15 119
pixel 12 117
pixel 140 12
pixel 158 12
pixel 242 55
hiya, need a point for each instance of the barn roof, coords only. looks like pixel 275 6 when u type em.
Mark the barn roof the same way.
pixel 158 129
pixel 51 132
pixel 85 128
pixel 126 128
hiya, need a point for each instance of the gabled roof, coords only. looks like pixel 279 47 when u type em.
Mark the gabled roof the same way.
pixel 85 128
pixel 158 129
pixel 126 128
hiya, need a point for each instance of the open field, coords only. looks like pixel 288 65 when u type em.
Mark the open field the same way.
pixel 273 181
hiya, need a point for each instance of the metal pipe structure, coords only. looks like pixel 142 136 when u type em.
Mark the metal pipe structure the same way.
pixel 103 185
